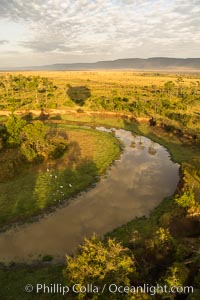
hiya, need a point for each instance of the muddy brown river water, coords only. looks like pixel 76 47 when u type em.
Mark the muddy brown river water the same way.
pixel 133 186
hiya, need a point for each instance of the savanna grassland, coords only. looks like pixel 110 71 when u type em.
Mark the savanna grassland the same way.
pixel 138 93
pixel 163 248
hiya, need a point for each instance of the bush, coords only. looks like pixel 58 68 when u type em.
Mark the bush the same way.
pixel 29 153
pixel 175 277
pixel 14 128
pixel 187 199
pixel 59 146
pixel 99 263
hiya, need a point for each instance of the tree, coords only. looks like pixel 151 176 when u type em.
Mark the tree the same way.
pixel 169 87
pixel 187 199
pixel 175 278
pixel 14 128
pixel 46 88
pixel 33 85
pixel 163 237
pixel 35 140
pixel 99 263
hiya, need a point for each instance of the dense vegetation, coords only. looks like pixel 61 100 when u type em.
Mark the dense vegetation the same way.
pixel 21 91
pixel 162 249
pixel 34 141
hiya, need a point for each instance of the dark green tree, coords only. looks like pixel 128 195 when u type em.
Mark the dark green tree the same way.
pixel 35 143
pixel 14 128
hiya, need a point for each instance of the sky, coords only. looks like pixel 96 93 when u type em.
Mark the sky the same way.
pixel 42 32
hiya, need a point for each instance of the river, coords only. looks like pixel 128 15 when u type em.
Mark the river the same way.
pixel 132 187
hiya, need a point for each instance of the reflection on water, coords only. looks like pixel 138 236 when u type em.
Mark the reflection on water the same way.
pixel 134 185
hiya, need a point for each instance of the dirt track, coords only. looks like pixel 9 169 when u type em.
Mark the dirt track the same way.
pixel 66 111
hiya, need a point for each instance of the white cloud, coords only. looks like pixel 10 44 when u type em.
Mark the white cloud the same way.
pixel 104 29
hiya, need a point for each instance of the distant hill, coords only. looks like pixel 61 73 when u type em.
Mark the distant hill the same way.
pixel 155 63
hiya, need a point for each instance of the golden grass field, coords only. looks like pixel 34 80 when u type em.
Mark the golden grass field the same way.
pixel 98 81
pixel 111 84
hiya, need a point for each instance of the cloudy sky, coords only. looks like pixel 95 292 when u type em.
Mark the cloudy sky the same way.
pixel 38 32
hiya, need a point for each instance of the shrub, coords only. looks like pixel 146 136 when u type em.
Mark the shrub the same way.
pixel 14 128
pixel 99 263
pixel 187 199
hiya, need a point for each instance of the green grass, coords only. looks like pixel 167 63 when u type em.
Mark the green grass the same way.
pixel 14 279
pixel 89 154
pixel 94 120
